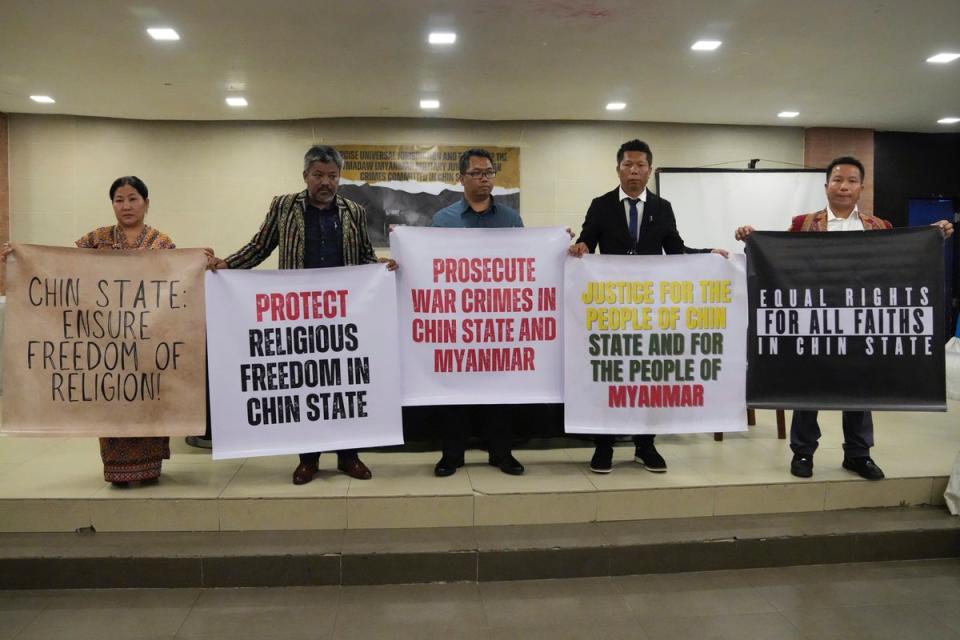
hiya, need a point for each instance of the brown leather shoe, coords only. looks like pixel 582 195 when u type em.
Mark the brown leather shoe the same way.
pixel 304 472
pixel 354 468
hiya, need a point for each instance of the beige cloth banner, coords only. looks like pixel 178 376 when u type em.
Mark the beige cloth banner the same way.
pixel 104 343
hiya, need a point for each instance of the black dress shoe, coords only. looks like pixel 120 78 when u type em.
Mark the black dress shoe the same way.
pixel 650 458
pixel 801 465
pixel 507 463
pixel 864 467
pixel 447 466
pixel 602 460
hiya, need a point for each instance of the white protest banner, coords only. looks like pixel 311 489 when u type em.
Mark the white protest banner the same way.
pixel 303 360
pixel 480 319
pixel 103 343
pixel 655 344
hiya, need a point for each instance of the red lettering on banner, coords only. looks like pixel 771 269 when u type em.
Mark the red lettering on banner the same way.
pixel 483 269
pixel 487 330
pixel 655 395
pixel 473 360
pixel 434 300
pixel 538 329
pixel 302 305
pixel 511 300
pixel 434 330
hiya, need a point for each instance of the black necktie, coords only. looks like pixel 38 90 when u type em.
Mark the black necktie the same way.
pixel 634 222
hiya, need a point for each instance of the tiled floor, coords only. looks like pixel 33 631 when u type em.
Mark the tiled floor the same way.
pixel 895 600
pixel 746 473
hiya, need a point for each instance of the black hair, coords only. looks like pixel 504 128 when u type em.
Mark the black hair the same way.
pixel 846 160
pixel 324 154
pixel 477 152
pixel 634 145
pixel 132 181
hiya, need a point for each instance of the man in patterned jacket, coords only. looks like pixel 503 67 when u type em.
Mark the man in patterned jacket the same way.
pixel 315 228
pixel 844 184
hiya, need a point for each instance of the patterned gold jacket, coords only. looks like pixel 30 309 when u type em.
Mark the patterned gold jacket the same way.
pixel 817 221
pixel 283 227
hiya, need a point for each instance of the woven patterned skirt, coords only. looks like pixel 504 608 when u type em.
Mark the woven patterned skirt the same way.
pixel 130 459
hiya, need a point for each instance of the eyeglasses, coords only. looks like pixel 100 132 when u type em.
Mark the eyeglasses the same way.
pixel 489 174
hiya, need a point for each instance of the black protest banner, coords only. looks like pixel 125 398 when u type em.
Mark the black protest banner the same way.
pixel 846 320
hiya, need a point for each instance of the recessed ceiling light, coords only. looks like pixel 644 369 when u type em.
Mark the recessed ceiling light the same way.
pixel 948 120
pixel 43 99
pixel 788 114
pixel 429 104
pixel 706 45
pixel 236 101
pixel 943 58
pixel 442 37
pixel 616 106
pixel 163 33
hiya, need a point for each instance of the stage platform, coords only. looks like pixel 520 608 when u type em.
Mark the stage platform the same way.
pixel 56 485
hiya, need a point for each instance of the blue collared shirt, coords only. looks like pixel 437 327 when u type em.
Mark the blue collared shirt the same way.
pixel 459 215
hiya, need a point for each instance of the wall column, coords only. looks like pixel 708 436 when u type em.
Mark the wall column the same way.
pixel 823 144
pixel 4 187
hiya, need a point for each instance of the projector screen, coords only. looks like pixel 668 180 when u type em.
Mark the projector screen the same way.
pixel 711 203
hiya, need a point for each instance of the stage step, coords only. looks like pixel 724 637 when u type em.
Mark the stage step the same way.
pixel 89 559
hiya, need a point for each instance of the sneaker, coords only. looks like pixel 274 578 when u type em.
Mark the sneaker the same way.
pixel 602 460
pixel 801 465
pixel 650 458
pixel 864 467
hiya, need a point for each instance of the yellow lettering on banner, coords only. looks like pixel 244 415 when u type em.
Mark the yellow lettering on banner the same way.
pixel 616 318
pixel 618 292
pixel 706 317
pixel 668 317
pixel 713 291
pixel 676 291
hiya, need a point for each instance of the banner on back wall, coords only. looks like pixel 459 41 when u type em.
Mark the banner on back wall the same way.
pixel 654 344
pixel 846 320
pixel 303 360
pixel 104 343
pixel 480 319
pixel 406 184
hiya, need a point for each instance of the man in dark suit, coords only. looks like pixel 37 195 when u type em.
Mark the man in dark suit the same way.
pixel 630 220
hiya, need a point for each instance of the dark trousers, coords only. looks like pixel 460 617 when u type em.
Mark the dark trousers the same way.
pixel 606 442
pixel 857 433
pixel 314 457
pixel 208 434
pixel 492 421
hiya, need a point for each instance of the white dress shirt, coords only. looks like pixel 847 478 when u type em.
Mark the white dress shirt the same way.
pixel 850 223
pixel 642 200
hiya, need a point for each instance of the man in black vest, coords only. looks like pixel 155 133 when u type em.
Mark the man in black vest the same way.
pixel 630 220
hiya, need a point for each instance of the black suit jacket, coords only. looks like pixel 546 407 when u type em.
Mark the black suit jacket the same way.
pixel 606 226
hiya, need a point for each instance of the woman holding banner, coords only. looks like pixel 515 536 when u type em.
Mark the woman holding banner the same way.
pixel 126 460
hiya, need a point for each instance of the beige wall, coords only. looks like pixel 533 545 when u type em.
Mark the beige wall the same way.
pixel 823 144
pixel 210 182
